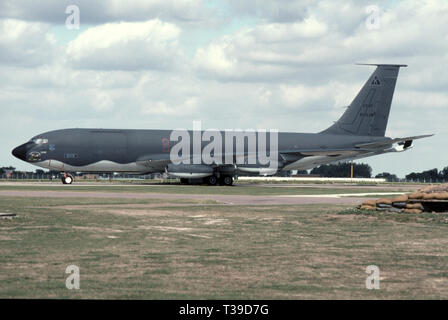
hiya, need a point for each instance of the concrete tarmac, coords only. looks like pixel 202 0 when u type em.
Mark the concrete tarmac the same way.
pixel 224 199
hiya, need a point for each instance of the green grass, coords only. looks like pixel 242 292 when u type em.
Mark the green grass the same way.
pixel 216 252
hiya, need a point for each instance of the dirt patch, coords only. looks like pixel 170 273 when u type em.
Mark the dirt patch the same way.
pixel 134 212
pixel 7 238
pixel 97 229
pixel 165 228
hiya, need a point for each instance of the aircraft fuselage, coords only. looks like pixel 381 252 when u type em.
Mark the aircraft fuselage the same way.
pixel 131 151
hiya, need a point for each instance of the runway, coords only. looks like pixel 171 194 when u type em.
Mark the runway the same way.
pixel 224 199
pixel 367 187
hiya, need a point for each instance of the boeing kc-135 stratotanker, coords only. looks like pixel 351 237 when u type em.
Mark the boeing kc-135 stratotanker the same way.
pixel 359 133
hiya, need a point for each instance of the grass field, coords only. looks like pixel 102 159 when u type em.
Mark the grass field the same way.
pixel 199 249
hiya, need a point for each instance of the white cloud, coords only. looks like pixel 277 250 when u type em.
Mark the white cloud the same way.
pixel 190 105
pixel 126 46
pixel 97 12
pixel 291 69
pixel 285 32
pixel 25 44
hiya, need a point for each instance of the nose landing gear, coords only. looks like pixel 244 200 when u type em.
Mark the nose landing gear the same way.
pixel 67 178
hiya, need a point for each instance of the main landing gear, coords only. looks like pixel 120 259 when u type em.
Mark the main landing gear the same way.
pixel 212 180
pixel 67 178
pixel 226 180
pixel 223 180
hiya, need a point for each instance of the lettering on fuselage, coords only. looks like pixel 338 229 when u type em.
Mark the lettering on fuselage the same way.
pixel 70 155
pixel 165 145
pixel 367 114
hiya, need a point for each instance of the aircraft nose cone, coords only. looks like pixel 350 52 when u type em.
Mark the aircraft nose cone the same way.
pixel 20 152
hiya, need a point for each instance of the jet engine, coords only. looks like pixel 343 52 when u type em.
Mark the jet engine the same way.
pixel 191 171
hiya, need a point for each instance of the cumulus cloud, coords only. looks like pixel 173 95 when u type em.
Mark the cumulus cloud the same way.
pixel 289 68
pixel 310 27
pixel 97 12
pixel 25 44
pixel 151 44
pixel 326 36
pixel 272 10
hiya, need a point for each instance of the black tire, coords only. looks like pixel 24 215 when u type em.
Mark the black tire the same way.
pixel 67 179
pixel 184 181
pixel 212 180
pixel 227 180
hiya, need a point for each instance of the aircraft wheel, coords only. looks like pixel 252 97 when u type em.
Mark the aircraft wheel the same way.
pixel 227 180
pixel 184 181
pixel 67 178
pixel 212 180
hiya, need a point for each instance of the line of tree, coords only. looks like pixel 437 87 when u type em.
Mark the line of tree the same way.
pixel 343 170
pixel 11 172
pixel 4 170
pixel 388 176
pixel 433 175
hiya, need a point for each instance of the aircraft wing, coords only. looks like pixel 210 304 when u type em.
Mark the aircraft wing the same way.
pixel 154 162
pixel 323 152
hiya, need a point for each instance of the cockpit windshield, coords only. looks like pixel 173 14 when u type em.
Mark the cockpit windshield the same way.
pixel 40 141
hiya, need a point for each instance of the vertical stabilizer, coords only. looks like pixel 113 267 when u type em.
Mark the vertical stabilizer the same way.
pixel 368 113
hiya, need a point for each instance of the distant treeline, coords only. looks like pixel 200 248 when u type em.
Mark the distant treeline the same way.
pixel 362 170
pixel 342 170
pixel 338 170
pixel 433 175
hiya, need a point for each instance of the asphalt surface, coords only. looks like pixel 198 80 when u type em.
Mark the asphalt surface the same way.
pixel 225 199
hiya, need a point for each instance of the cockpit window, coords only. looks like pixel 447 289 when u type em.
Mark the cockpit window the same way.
pixel 34 156
pixel 40 141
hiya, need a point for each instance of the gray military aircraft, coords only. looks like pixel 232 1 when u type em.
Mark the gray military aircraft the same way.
pixel 359 133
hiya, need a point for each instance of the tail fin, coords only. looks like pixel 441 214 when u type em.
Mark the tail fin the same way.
pixel 368 113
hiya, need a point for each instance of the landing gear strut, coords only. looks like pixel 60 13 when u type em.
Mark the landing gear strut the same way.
pixel 67 178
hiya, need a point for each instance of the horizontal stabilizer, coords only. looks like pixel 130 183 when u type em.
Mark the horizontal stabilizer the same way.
pixel 381 64
pixel 376 145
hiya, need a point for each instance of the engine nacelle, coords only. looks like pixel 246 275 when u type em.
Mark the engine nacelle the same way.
pixel 403 146
pixel 189 171
pixel 257 170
